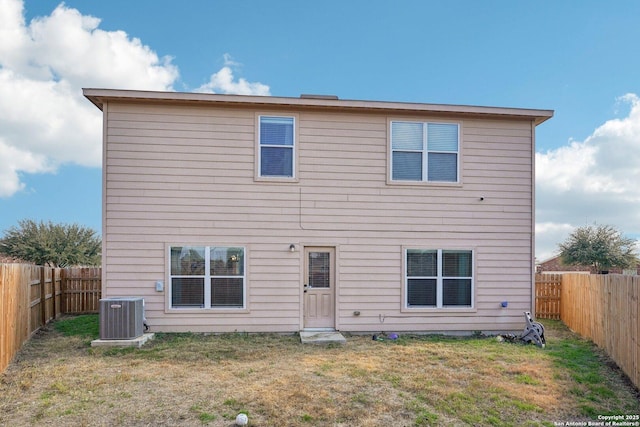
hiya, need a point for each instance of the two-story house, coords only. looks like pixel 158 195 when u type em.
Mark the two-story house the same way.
pixel 250 213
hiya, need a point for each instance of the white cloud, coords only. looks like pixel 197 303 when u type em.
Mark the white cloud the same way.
pixel 224 82
pixel 548 235
pixel 20 161
pixel 69 46
pixel 45 122
pixel 50 119
pixel 594 181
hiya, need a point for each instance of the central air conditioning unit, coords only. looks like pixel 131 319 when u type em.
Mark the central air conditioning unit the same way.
pixel 121 318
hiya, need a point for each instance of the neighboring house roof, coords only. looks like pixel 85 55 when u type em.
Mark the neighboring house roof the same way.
pixel 6 259
pixel 99 96
pixel 555 265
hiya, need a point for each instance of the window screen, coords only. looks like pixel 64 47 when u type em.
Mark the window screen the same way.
pixel 422 272
pixel 222 268
pixel 187 292
pixel 421 292
pixel 187 271
pixel 439 278
pixel 226 292
pixel 424 151
pixel 276 146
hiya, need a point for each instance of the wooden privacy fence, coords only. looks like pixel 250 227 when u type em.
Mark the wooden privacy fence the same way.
pixel 548 297
pixel 602 308
pixel 606 310
pixel 31 296
pixel 81 290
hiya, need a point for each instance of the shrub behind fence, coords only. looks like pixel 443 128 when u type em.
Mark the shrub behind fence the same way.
pixel 31 296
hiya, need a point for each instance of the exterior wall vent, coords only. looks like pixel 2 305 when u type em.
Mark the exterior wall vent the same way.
pixel 312 96
pixel 121 318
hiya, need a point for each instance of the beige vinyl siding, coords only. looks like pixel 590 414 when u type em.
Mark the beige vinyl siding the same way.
pixel 182 174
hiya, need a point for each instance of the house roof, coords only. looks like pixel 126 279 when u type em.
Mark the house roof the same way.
pixel 8 259
pixel 100 96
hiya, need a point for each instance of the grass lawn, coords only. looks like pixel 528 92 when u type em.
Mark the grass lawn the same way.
pixel 192 379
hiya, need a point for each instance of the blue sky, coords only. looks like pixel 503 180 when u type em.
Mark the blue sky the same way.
pixel 580 59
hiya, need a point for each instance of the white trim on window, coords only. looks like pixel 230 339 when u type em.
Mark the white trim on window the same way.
pixel 193 266
pixel 425 286
pixel 419 143
pixel 285 150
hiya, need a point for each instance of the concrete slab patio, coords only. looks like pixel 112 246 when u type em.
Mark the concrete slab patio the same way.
pixel 134 342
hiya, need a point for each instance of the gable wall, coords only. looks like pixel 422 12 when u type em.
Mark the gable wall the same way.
pixel 185 175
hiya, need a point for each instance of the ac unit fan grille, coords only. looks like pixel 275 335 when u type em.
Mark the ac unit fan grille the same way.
pixel 121 318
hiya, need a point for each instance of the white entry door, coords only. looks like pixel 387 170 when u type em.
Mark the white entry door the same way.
pixel 319 287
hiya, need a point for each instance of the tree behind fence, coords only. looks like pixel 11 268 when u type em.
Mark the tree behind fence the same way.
pixel 31 296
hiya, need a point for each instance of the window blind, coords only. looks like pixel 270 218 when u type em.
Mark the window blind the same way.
pixel 424 151
pixel 421 292
pixel 187 291
pixel 276 146
pixel 276 131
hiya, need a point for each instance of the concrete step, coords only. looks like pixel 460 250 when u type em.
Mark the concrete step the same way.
pixel 322 337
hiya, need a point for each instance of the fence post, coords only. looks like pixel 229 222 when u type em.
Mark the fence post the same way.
pixel 43 297
pixel 53 293
pixel 63 290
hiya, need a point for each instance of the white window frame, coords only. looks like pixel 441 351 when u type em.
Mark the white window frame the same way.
pixel 294 153
pixel 425 153
pixel 439 281
pixel 207 276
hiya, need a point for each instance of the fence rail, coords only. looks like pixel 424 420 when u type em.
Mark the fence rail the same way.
pixel 31 296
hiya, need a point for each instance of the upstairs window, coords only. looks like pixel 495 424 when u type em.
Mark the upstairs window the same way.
pixel 427 152
pixel 276 145
pixel 437 278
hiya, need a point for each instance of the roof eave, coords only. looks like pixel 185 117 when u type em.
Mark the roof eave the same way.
pixel 99 96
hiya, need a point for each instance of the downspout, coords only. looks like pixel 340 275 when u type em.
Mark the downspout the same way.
pixel 105 114
pixel 533 218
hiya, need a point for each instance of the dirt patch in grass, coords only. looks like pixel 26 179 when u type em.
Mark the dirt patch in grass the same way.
pixel 195 380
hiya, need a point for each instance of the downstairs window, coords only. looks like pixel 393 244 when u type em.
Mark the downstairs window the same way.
pixel 207 277
pixel 438 278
